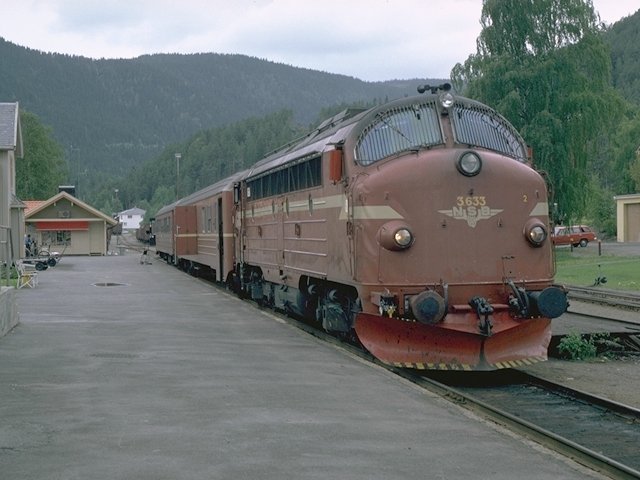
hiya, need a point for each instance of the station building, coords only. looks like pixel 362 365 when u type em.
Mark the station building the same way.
pixel 11 208
pixel 64 223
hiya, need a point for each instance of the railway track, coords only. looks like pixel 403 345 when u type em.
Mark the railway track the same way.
pixel 613 298
pixel 598 433
pixel 617 312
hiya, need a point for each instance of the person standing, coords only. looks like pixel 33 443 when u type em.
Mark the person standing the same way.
pixel 27 245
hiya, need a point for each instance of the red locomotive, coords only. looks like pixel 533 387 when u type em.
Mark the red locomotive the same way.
pixel 419 224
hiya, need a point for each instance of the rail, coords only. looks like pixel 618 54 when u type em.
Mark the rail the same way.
pixel 604 296
pixel 575 424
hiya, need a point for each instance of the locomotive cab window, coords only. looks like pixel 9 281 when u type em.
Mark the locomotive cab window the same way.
pixel 481 127
pixel 405 128
pixel 300 175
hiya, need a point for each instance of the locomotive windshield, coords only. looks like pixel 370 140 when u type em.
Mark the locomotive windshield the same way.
pixel 409 127
pixel 417 126
pixel 479 126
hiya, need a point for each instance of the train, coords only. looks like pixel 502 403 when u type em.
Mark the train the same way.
pixel 143 233
pixel 418 228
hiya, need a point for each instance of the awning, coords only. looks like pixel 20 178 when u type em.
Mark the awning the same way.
pixel 63 225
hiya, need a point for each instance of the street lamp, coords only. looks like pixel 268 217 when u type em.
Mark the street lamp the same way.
pixel 178 157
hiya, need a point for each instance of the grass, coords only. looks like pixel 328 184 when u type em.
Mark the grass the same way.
pixel 10 282
pixel 583 267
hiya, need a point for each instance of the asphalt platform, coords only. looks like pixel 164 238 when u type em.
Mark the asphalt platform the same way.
pixel 121 370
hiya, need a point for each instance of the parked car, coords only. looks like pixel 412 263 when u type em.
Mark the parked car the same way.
pixel 577 235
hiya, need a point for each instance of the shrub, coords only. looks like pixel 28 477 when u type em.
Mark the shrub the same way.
pixel 584 347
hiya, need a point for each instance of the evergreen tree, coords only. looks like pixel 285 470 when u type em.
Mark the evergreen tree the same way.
pixel 43 167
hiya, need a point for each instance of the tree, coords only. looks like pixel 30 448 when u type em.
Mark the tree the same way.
pixel 43 167
pixel 544 65
pixel 635 168
pixel 208 156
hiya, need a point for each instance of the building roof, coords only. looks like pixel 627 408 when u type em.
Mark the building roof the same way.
pixel 35 206
pixel 631 196
pixel 133 211
pixel 10 130
pixel 31 204
pixel 17 203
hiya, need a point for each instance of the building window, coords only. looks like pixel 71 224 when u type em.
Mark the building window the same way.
pixel 55 238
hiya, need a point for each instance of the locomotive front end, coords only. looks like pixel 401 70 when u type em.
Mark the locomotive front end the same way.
pixel 457 221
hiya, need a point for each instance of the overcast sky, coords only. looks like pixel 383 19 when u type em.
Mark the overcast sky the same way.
pixel 368 39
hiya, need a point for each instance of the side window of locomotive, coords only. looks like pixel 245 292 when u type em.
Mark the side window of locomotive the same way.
pixel 482 127
pixel 406 128
pixel 297 176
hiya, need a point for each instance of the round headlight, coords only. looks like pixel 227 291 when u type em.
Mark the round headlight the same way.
pixel 536 233
pixel 395 235
pixel 469 164
pixel 446 100
pixel 403 238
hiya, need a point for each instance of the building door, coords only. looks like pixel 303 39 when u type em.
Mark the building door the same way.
pixel 632 222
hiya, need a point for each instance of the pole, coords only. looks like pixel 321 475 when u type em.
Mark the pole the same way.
pixel 178 156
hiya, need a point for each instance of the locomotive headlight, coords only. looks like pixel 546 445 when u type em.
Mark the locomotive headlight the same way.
pixel 536 232
pixel 469 164
pixel 403 238
pixel 446 100
pixel 395 235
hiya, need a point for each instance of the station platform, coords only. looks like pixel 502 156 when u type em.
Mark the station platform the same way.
pixel 122 370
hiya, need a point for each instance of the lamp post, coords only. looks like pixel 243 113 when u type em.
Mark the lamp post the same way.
pixel 178 157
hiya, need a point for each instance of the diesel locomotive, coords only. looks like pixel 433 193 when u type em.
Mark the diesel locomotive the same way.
pixel 419 227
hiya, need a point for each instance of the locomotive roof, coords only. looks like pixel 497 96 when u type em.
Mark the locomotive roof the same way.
pixel 332 131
